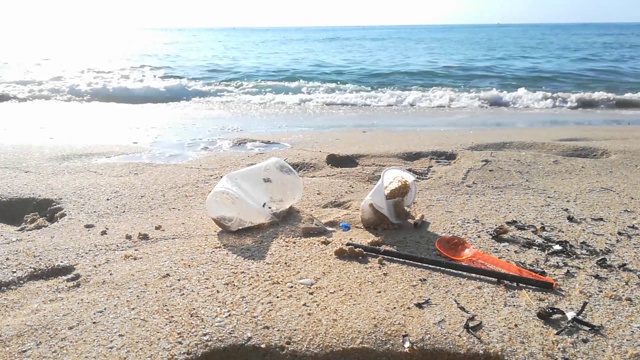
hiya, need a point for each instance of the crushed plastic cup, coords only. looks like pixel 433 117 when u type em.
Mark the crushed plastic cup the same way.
pixel 255 195
pixel 389 198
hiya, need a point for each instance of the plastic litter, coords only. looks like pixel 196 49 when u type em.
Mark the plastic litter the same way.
pixel 345 226
pixel 255 195
pixel 388 200
pixel 460 250
pixel 447 264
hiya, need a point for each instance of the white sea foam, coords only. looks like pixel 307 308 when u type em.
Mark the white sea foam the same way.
pixel 152 89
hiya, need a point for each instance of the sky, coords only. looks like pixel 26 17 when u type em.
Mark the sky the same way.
pixel 48 15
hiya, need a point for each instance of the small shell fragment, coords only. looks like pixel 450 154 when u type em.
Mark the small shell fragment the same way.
pixel 306 282
pixel 406 341
pixel 500 230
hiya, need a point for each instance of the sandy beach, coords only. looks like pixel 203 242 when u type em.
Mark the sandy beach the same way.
pixel 81 288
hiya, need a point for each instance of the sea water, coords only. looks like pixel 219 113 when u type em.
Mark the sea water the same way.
pixel 184 85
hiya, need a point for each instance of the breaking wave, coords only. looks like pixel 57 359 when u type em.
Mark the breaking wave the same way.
pixel 175 89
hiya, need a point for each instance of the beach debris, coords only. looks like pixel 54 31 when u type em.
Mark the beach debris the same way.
pixel 73 277
pixel 103 232
pixel 418 221
pixel 386 204
pixel 624 233
pixel 517 225
pixel 542 242
pixel 422 304
pixel 447 264
pixel 407 344
pixel 159 228
pixel 500 230
pixel 471 325
pixel 317 222
pixel 460 250
pixel 380 261
pixel 341 161
pixel 629 233
pixel 349 252
pixel 317 228
pixel 572 319
pixel 345 226
pixel 462 308
pixel 143 236
pixel 128 236
pixel 243 199
pixel 572 219
pixel 604 263
pixel 406 341
pixel 305 282
pixel 89 226
pixel 539 229
pixel 590 250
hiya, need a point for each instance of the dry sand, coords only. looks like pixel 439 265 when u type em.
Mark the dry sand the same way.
pixel 190 291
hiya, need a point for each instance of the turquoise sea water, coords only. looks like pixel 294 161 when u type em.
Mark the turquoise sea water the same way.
pixel 181 89
pixel 522 66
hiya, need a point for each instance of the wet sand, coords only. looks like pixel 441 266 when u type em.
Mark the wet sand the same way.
pixel 191 291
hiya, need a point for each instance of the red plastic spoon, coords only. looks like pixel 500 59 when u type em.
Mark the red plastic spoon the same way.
pixel 459 249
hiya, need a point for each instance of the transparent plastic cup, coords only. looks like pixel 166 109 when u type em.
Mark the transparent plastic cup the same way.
pixel 377 208
pixel 255 195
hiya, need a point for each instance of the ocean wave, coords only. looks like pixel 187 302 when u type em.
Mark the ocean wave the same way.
pixel 168 89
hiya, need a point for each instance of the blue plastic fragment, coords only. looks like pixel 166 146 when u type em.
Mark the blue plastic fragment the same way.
pixel 345 226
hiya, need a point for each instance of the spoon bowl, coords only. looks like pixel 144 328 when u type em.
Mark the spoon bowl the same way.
pixel 455 248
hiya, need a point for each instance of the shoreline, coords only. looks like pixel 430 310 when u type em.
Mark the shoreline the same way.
pixel 189 291
pixel 125 124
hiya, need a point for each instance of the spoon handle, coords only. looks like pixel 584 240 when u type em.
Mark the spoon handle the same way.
pixel 494 263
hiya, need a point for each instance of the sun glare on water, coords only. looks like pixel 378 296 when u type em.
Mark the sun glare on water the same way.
pixel 44 55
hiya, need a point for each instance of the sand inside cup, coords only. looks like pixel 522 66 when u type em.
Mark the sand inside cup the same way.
pixel 397 188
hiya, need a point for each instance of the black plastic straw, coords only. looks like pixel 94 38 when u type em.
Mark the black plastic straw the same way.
pixel 455 266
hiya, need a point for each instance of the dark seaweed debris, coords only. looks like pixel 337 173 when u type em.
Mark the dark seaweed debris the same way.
pixel 422 304
pixel 544 241
pixel 547 313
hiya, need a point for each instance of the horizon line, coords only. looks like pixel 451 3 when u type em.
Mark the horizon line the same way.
pixel 383 25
